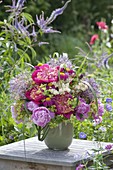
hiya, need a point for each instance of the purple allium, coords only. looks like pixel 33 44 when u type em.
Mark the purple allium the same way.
pixel 31 105
pixel 82 135
pixel 19 84
pixel 41 116
pixel 60 60
pixel 109 108
pixel 81 111
pixel 109 100
pixel 108 147
pixel 80 167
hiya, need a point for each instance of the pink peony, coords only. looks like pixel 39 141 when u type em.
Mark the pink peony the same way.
pixel 93 39
pixel 102 25
pixel 41 116
pixel 35 94
pixel 45 74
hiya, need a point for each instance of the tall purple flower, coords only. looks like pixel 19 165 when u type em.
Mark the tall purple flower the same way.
pixel 16 7
pixel 41 116
pixel 43 23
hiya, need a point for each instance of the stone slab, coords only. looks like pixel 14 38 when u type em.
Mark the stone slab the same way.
pixel 33 152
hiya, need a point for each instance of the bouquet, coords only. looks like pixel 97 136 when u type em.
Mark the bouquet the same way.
pixel 54 92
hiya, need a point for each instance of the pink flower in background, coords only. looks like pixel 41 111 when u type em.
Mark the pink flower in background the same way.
pixel 93 39
pixel 41 116
pixel 31 105
pixel 45 74
pixel 102 25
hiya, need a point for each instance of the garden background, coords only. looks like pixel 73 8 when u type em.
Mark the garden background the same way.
pixel 77 24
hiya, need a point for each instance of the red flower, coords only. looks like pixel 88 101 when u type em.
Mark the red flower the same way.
pixel 93 39
pixel 102 25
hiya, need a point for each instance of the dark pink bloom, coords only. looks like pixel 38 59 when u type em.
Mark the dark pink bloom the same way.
pixel 93 39
pixel 35 94
pixel 102 25
pixel 62 105
pixel 41 116
pixel 45 74
pixel 48 102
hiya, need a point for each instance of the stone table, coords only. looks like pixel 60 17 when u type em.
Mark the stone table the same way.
pixel 32 154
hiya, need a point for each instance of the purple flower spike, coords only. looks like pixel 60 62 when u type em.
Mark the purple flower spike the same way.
pixel 20 3
pixel 43 23
pixel 57 12
pixel 41 116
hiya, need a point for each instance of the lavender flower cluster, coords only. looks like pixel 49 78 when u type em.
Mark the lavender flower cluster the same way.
pixel 19 84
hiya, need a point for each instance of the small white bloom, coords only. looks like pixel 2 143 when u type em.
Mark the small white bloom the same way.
pixel 108 44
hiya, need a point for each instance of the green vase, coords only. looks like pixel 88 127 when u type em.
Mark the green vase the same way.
pixel 60 137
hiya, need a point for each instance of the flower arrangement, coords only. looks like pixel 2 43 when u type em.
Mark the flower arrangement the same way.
pixel 54 92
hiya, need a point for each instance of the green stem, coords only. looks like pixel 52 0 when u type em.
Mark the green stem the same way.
pixel 45 130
